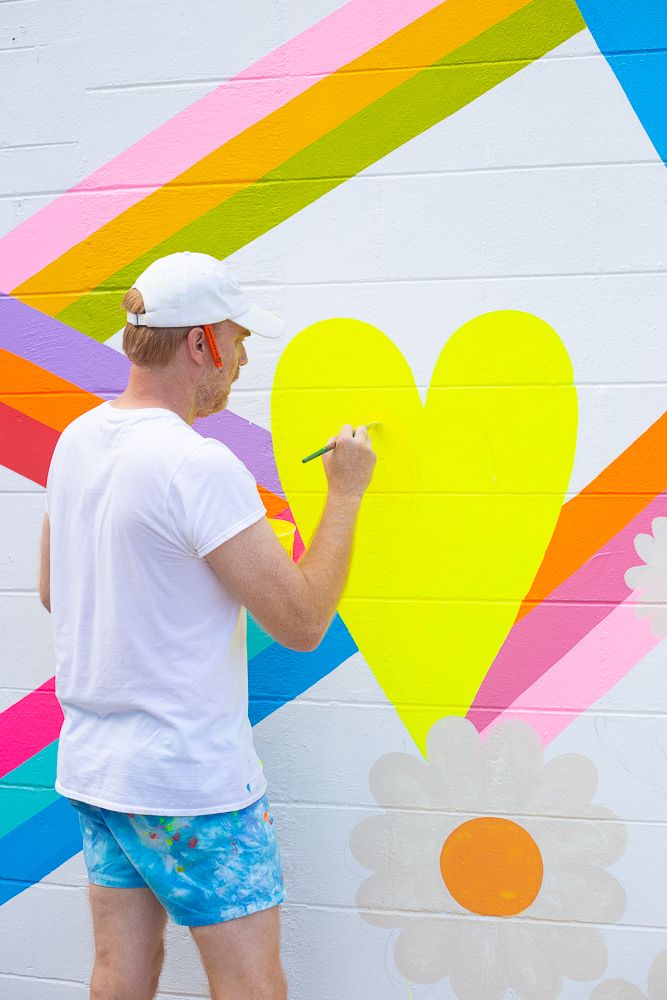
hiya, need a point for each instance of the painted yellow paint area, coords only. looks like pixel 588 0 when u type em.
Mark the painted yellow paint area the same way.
pixel 464 497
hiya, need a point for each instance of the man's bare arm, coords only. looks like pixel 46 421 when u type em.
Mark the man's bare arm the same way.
pixel 45 564
pixel 295 602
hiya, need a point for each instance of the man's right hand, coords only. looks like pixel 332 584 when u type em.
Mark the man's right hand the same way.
pixel 349 466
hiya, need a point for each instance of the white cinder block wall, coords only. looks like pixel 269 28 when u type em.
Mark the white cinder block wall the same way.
pixel 543 193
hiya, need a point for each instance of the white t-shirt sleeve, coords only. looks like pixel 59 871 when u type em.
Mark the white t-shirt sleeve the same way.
pixel 212 496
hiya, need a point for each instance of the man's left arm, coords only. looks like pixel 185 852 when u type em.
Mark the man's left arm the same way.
pixel 45 564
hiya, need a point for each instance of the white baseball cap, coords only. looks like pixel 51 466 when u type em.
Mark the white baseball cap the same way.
pixel 188 288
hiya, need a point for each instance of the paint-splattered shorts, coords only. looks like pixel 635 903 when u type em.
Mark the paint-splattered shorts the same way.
pixel 203 869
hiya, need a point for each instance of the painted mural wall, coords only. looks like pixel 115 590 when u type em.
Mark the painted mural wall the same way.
pixel 460 210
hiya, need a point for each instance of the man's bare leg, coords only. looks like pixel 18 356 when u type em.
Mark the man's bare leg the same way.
pixel 242 957
pixel 128 926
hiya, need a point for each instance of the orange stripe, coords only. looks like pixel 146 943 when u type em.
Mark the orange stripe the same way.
pixel 54 402
pixel 40 394
pixel 239 163
pixel 601 510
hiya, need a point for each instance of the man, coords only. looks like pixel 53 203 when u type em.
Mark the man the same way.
pixel 155 541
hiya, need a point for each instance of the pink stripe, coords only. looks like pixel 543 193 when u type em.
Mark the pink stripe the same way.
pixel 29 725
pixel 585 674
pixel 555 626
pixel 198 130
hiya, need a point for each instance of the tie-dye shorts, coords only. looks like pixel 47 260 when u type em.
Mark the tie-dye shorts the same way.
pixel 203 869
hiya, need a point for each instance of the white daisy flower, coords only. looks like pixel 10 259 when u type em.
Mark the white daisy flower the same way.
pixel 620 989
pixel 650 579
pixel 490 862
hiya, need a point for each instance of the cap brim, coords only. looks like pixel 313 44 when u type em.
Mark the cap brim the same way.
pixel 260 321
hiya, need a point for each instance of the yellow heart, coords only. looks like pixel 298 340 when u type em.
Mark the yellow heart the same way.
pixel 464 498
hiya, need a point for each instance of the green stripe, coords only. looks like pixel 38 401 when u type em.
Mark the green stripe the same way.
pixel 414 106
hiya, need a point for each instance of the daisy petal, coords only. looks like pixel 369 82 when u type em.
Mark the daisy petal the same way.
pixel 399 779
pixel 456 756
pixel 425 948
pixel 580 840
pixel 580 953
pixel 479 971
pixel 617 989
pixel 513 758
pixel 401 838
pixel 657 977
pixel 563 787
pixel 644 545
pixel 532 974
pixel 579 892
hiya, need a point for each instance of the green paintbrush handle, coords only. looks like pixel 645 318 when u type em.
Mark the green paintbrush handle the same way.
pixel 328 447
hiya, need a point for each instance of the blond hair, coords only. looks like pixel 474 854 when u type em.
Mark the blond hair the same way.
pixel 149 346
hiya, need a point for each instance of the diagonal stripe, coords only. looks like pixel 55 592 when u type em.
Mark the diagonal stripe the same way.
pixel 195 132
pixel 602 509
pixel 633 39
pixel 29 725
pixel 101 370
pixel 416 105
pixel 259 150
pixel 40 394
pixel 576 681
pixel 39 845
pixel 26 446
pixel 555 627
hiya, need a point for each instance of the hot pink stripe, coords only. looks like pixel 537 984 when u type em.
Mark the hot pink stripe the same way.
pixel 585 674
pixel 29 725
pixel 555 626
pixel 195 132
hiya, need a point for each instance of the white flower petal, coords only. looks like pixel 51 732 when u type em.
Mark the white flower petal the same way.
pixel 659 529
pixel 424 950
pixel 514 755
pixel 657 616
pixel 564 786
pixel 644 546
pixel 456 755
pixel 585 840
pixel 400 838
pixel 579 892
pixel 418 887
pixel 617 989
pixel 657 977
pixel 531 973
pixel 399 779
pixel 642 577
pixel 580 953
pixel 372 899
pixel 478 971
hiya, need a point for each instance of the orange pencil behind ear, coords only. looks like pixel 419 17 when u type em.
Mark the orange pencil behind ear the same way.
pixel 213 344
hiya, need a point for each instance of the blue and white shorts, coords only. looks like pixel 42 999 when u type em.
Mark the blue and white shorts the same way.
pixel 203 869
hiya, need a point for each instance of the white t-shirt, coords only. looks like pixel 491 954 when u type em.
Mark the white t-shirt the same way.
pixel 151 659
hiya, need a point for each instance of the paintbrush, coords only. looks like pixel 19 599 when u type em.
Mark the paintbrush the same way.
pixel 329 447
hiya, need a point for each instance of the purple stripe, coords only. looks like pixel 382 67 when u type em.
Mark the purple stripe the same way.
pixel 103 371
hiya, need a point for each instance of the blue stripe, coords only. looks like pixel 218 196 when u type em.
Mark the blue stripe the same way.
pixel 632 35
pixel 36 847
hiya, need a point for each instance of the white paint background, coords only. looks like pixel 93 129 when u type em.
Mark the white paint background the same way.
pixel 544 195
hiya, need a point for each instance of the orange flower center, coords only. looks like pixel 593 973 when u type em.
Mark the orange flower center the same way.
pixel 492 866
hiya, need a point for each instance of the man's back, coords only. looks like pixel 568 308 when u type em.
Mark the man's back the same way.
pixel 151 667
